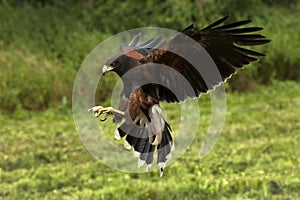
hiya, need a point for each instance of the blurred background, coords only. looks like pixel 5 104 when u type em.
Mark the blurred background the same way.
pixel 42 45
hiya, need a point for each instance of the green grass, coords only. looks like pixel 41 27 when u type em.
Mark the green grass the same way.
pixel 256 157
pixel 43 43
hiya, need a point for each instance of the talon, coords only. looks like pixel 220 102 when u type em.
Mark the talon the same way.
pixel 95 109
pixel 102 120
pixel 99 110
pixel 105 118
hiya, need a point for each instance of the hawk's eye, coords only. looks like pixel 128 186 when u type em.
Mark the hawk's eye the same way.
pixel 114 64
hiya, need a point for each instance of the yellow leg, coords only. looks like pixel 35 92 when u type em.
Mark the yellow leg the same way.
pixel 99 110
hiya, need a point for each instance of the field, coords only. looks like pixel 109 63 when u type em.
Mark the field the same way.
pixel 42 46
pixel 256 157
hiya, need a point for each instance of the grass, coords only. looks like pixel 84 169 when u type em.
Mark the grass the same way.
pixel 256 157
pixel 43 43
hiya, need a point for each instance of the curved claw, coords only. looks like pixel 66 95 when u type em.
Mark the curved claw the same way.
pixel 105 117
pixel 102 120
pixel 99 110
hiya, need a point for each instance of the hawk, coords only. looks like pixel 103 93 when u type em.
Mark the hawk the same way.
pixel 139 114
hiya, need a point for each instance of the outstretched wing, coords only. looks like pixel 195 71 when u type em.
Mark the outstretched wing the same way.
pixel 224 44
pixel 145 47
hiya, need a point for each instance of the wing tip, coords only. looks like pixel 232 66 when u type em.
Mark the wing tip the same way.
pixel 192 27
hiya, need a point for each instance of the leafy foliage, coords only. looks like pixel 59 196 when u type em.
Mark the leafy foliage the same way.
pixel 42 43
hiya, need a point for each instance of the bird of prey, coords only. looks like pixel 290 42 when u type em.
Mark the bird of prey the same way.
pixel 142 122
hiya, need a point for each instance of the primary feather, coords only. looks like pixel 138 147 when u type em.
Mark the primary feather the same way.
pixel 144 127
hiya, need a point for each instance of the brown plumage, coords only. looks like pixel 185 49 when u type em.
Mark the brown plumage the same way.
pixel 145 127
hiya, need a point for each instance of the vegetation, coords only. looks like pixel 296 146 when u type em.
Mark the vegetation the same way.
pixel 42 43
pixel 255 158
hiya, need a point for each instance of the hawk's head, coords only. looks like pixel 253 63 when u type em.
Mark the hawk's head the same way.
pixel 120 64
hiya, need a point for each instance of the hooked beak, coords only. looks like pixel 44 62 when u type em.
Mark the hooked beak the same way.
pixel 106 69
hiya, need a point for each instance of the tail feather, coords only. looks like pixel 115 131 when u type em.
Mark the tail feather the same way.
pixel 164 148
pixel 150 154
pixel 155 135
pixel 141 141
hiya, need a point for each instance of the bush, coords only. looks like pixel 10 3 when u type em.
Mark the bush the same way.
pixel 40 52
pixel 42 43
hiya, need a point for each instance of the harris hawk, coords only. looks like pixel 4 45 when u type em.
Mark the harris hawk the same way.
pixel 139 113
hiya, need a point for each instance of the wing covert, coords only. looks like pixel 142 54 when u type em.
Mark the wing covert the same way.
pixel 225 44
